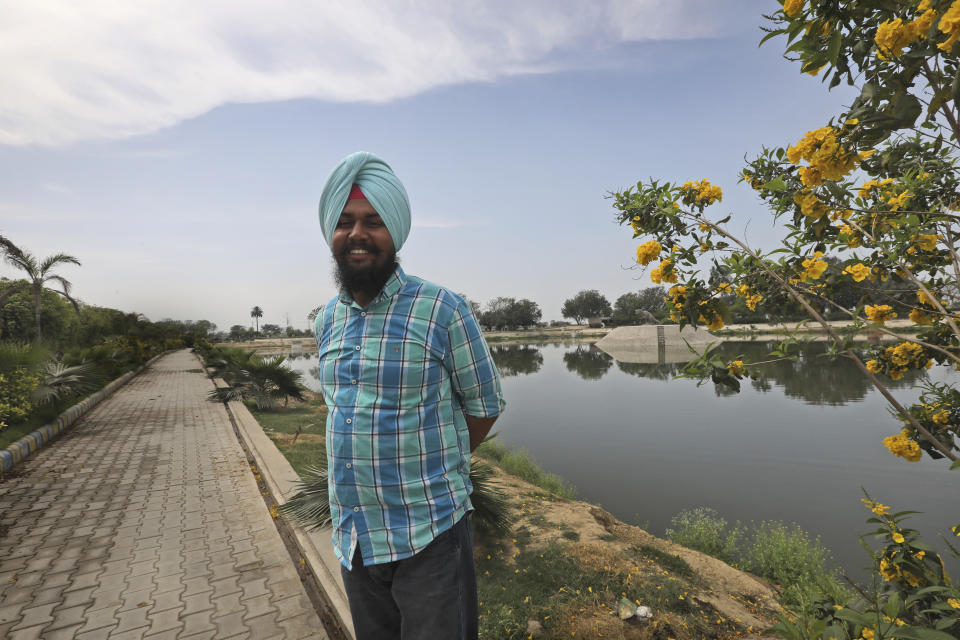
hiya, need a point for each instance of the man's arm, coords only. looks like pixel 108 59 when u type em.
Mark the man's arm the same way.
pixel 479 428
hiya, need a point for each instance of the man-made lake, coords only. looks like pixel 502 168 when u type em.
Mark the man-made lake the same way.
pixel 796 445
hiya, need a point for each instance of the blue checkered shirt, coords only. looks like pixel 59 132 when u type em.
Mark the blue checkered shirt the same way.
pixel 398 377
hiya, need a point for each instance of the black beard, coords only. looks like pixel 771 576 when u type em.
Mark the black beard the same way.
pixel 367 281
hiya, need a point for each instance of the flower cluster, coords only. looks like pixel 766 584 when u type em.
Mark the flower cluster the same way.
pixel 793 7
pixel 880 313
pixel 736 368
pixel 859 272
pixel 827 157
pixel 895 361
pixel 676 297
pixel 949 24
pixel 700 193
pixel 903 445
pixel 813 267
pixel 810 205
pixel 648 252
pixel 893 35
pixel 664 272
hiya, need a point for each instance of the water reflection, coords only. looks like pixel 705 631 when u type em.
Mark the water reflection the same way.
pixel 588 362
pixel 517 359
pixel 651 370
pixel 812 377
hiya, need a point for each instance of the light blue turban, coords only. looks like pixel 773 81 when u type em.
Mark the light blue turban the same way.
pixel 379 184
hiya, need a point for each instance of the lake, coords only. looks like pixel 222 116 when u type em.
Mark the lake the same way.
pixel 796 445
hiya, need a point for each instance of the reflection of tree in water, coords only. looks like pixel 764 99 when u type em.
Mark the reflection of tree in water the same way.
pixel 650 369
pixel 517 359
pixel 812 378
pixel 587 362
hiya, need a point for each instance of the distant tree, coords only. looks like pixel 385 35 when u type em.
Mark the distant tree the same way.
pixel 510 312
pixel 38 274
pixel 256 313
pixel 237 332
pixel 474 306
pixel 271 330
pixel 589 303
pixel 627 308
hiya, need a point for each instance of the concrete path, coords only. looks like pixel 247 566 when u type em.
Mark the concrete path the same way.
pixel 145 521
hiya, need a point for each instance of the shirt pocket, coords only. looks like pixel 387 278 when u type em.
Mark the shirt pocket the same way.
pixel 402 374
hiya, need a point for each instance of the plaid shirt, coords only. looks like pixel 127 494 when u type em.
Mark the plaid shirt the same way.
pixel 398 377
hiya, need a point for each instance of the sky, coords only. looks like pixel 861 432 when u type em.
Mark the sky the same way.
pixel 178 149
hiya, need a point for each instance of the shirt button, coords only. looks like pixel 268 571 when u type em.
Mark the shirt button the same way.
pixel 363 313
pixel 353 382
pixel 349 465
pixel 358 347
pixel 356 508
pixel 349 421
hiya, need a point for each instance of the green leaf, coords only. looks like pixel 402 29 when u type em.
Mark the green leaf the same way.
pixel 776 185
pixel 834 49
pixel 918 633
pixel 907 109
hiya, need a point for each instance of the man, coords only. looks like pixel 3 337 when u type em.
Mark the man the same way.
pixel 411 389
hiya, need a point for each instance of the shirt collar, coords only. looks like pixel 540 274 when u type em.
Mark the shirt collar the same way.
pixel 392 287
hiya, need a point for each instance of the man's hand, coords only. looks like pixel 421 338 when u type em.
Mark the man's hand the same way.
pixel 479 428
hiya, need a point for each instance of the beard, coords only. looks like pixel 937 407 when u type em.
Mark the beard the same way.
pixel 368 281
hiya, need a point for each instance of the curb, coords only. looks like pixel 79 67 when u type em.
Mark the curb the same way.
pixel 30 443
pixel 315 547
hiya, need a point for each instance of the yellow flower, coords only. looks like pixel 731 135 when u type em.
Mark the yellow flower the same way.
pixel 926 242
pixel 793 7
pixel 954 602
pixel 892 36
pixel 941 417
pixel 736 368
pixel 874 366
pixel 648 251
pixel 901 445
pixel 724 287
pixel 867 634
pixel 663 272
pixel 827 157
pixel 897 537
pixel 704 227
pixel 896 202
pixel 859 272
pixel 753 301
pixel 880 313
pixel 700 193
pixel 919 317
pixel 813 267
pixel 950 25
pixel 810 205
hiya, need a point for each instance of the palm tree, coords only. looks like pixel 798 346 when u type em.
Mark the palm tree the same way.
pixel 38 274
pixel 256 313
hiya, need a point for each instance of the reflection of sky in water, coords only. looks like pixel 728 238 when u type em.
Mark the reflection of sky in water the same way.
pixel 646 447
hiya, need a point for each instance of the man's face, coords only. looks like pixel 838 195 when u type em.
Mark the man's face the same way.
pixel 362 247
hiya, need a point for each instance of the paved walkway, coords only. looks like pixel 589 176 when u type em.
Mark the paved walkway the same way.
pixel 144 521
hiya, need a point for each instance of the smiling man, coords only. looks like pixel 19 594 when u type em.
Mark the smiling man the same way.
pixel 411 389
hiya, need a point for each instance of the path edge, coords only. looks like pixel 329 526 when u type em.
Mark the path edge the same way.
pixel 315 547
pixel 26 446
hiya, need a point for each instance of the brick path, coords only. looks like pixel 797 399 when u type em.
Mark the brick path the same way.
pixel 144 521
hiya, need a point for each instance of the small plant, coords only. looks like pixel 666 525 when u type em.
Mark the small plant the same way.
pixel 704 530
pixel 520 464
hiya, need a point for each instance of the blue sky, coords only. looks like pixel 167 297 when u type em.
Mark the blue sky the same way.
pixel 179 151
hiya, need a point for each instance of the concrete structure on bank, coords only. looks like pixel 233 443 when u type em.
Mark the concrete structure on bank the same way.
pixel 659 344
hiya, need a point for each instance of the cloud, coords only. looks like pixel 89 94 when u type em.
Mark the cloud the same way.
pixel 101 69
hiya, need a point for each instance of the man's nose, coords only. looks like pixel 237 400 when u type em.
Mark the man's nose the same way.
pixel 357 229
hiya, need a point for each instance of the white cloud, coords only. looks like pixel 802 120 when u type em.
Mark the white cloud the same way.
pixel 102 69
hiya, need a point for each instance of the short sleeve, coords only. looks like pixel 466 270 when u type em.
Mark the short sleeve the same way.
pixel 473 373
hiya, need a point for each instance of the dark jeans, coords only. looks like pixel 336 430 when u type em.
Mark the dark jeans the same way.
pixel 429 596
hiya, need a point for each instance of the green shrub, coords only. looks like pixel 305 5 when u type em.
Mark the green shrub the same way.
pixel 16 389
pixel 704 530
pixel 520 464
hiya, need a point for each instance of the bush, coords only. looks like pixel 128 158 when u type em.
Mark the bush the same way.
pixel 704 530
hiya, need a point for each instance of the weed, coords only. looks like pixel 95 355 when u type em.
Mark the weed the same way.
pixel 704 530
pixel 520 464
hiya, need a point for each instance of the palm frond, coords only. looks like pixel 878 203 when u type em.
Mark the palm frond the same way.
pixel 225 394
pixel 61 381
pixel 491 507
pixel 310 506
pixel 58 258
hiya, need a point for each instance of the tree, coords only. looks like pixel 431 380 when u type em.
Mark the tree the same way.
pixel 868 201
pixel 589 303
pixel 256 313
pixel 38 274
pixel 509 312
pixel 628 307
pixel 271 330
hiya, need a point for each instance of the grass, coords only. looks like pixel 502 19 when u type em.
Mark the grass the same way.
pixel 282 424
pixel 520 464
pixel 573 590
